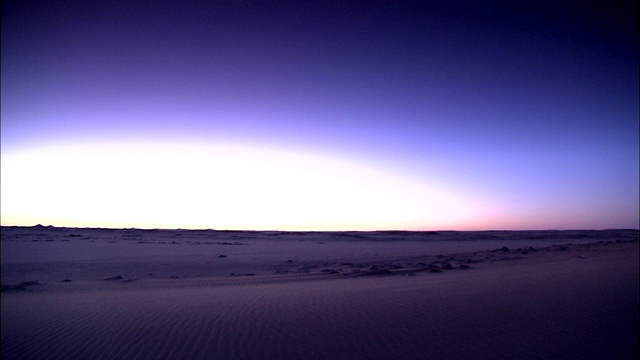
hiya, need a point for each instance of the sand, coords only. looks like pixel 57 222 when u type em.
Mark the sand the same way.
pixel 178 294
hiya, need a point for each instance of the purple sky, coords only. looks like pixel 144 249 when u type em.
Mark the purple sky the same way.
pixel 321 115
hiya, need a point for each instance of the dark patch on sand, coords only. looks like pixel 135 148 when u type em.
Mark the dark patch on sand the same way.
pixel 20 286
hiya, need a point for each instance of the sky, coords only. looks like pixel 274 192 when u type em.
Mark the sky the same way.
pixel 333 115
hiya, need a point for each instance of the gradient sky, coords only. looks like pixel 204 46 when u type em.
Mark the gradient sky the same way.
pixel 320 115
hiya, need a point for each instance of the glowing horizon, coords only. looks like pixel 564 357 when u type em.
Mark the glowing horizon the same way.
pixel 156 185
pixel 210 185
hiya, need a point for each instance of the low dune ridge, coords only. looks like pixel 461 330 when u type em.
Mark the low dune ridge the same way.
pixel 135 294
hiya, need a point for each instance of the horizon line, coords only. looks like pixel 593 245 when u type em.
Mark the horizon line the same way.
pixel 40 226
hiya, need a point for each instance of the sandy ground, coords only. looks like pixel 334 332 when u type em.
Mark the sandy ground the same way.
pixel 160 294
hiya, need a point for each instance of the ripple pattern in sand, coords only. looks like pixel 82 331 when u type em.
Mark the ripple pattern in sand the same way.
pixel 491 314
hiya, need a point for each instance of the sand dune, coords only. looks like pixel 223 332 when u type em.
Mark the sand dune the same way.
pixel 543 295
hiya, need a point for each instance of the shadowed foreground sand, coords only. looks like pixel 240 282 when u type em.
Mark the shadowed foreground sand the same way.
pixel 284 297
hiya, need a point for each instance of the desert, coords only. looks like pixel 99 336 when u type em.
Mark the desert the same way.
pixel 319 179
pixel 70 293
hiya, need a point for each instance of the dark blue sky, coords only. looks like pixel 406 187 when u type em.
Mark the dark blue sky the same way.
pixel 524 112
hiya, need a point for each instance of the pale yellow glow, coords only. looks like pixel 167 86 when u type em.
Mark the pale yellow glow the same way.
pixel 156 185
